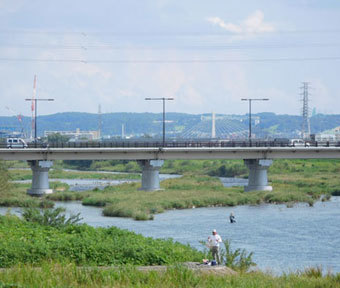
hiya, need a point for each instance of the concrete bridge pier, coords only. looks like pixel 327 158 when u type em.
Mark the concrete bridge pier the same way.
pixel 150 174
pixel 40 184
pixel 257 180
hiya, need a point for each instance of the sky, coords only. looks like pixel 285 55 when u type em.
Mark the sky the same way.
pixel 207 55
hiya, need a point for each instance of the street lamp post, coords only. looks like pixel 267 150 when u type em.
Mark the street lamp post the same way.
pixel 250 100
pixel 35 111
pixel 163 99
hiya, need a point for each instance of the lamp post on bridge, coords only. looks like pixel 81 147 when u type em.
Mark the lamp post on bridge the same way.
pixel 35 111
pixel 163 99
pixel 250 100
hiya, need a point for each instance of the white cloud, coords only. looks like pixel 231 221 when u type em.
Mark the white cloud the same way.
pixel 226 26
pixel 254 23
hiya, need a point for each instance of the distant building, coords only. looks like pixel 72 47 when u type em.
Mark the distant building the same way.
pixel 322 137
pixel 330 135
pixel 76 135
pixel 7 134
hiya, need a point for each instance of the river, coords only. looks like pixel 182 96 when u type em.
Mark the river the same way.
pixel 282 239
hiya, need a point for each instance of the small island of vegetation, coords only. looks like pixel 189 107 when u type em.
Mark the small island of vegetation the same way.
pixel 292 180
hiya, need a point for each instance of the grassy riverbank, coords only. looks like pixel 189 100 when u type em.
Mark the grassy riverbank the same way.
pixel 292 181
pixel 24 242
pixel 15 195
pixel 54 274
pixel 59 254
pixel 198 191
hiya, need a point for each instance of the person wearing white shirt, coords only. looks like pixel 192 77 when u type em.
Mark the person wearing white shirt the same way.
pixel 214 244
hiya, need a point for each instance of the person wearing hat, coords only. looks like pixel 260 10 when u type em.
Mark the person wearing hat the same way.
pixel 214 244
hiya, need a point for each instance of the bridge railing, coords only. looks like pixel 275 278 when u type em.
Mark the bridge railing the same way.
pixel 173 144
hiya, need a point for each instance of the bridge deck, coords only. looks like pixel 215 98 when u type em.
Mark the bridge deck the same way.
pixel 145 153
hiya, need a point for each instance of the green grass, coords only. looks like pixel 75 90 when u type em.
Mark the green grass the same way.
pixel 127 200
pixel 60 174
pixel 292 181
pixel 24 242
pixel 16 196
pixel 53 274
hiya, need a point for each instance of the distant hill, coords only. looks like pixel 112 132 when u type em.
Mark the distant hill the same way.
pixel 178 124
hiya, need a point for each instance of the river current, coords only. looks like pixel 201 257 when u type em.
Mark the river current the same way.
pixel 282 239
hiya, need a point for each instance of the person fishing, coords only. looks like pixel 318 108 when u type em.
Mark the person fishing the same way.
pixel 232 218
pixel 214 244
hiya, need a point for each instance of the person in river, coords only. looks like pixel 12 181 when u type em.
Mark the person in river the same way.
pixel 214 245
pixel 232 218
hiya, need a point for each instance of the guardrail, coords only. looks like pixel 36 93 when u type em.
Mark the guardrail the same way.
pixel 172 144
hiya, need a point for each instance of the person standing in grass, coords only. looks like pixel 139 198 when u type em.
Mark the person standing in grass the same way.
pixel 214 244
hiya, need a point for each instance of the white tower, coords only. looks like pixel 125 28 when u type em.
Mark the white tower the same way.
pixel 213 127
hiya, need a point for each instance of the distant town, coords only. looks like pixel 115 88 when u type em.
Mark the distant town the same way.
pixel 75 126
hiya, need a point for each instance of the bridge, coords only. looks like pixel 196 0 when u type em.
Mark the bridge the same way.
pixel 258 159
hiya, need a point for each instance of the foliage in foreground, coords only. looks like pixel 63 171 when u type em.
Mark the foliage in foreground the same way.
pixel 69 275
pixel 30 242
pixel 238 259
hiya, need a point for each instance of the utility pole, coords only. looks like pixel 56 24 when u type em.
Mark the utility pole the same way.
pixel 32 105
pixel 305 129
pixel 35 102
pixel 250 100
pixel 99 121
pixel 163 99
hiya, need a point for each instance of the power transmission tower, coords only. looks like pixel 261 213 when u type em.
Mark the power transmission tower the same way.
pixel 305 131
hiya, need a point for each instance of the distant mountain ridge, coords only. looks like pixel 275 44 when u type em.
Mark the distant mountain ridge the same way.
pixel 178 124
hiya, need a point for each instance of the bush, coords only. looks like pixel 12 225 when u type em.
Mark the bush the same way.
pixel 231 170
pixel 239 259
pixel 50 217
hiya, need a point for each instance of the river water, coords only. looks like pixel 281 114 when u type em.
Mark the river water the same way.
pixel 282 239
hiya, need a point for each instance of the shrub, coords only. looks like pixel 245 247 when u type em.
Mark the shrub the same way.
pixel 238 259
pixel 50 217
